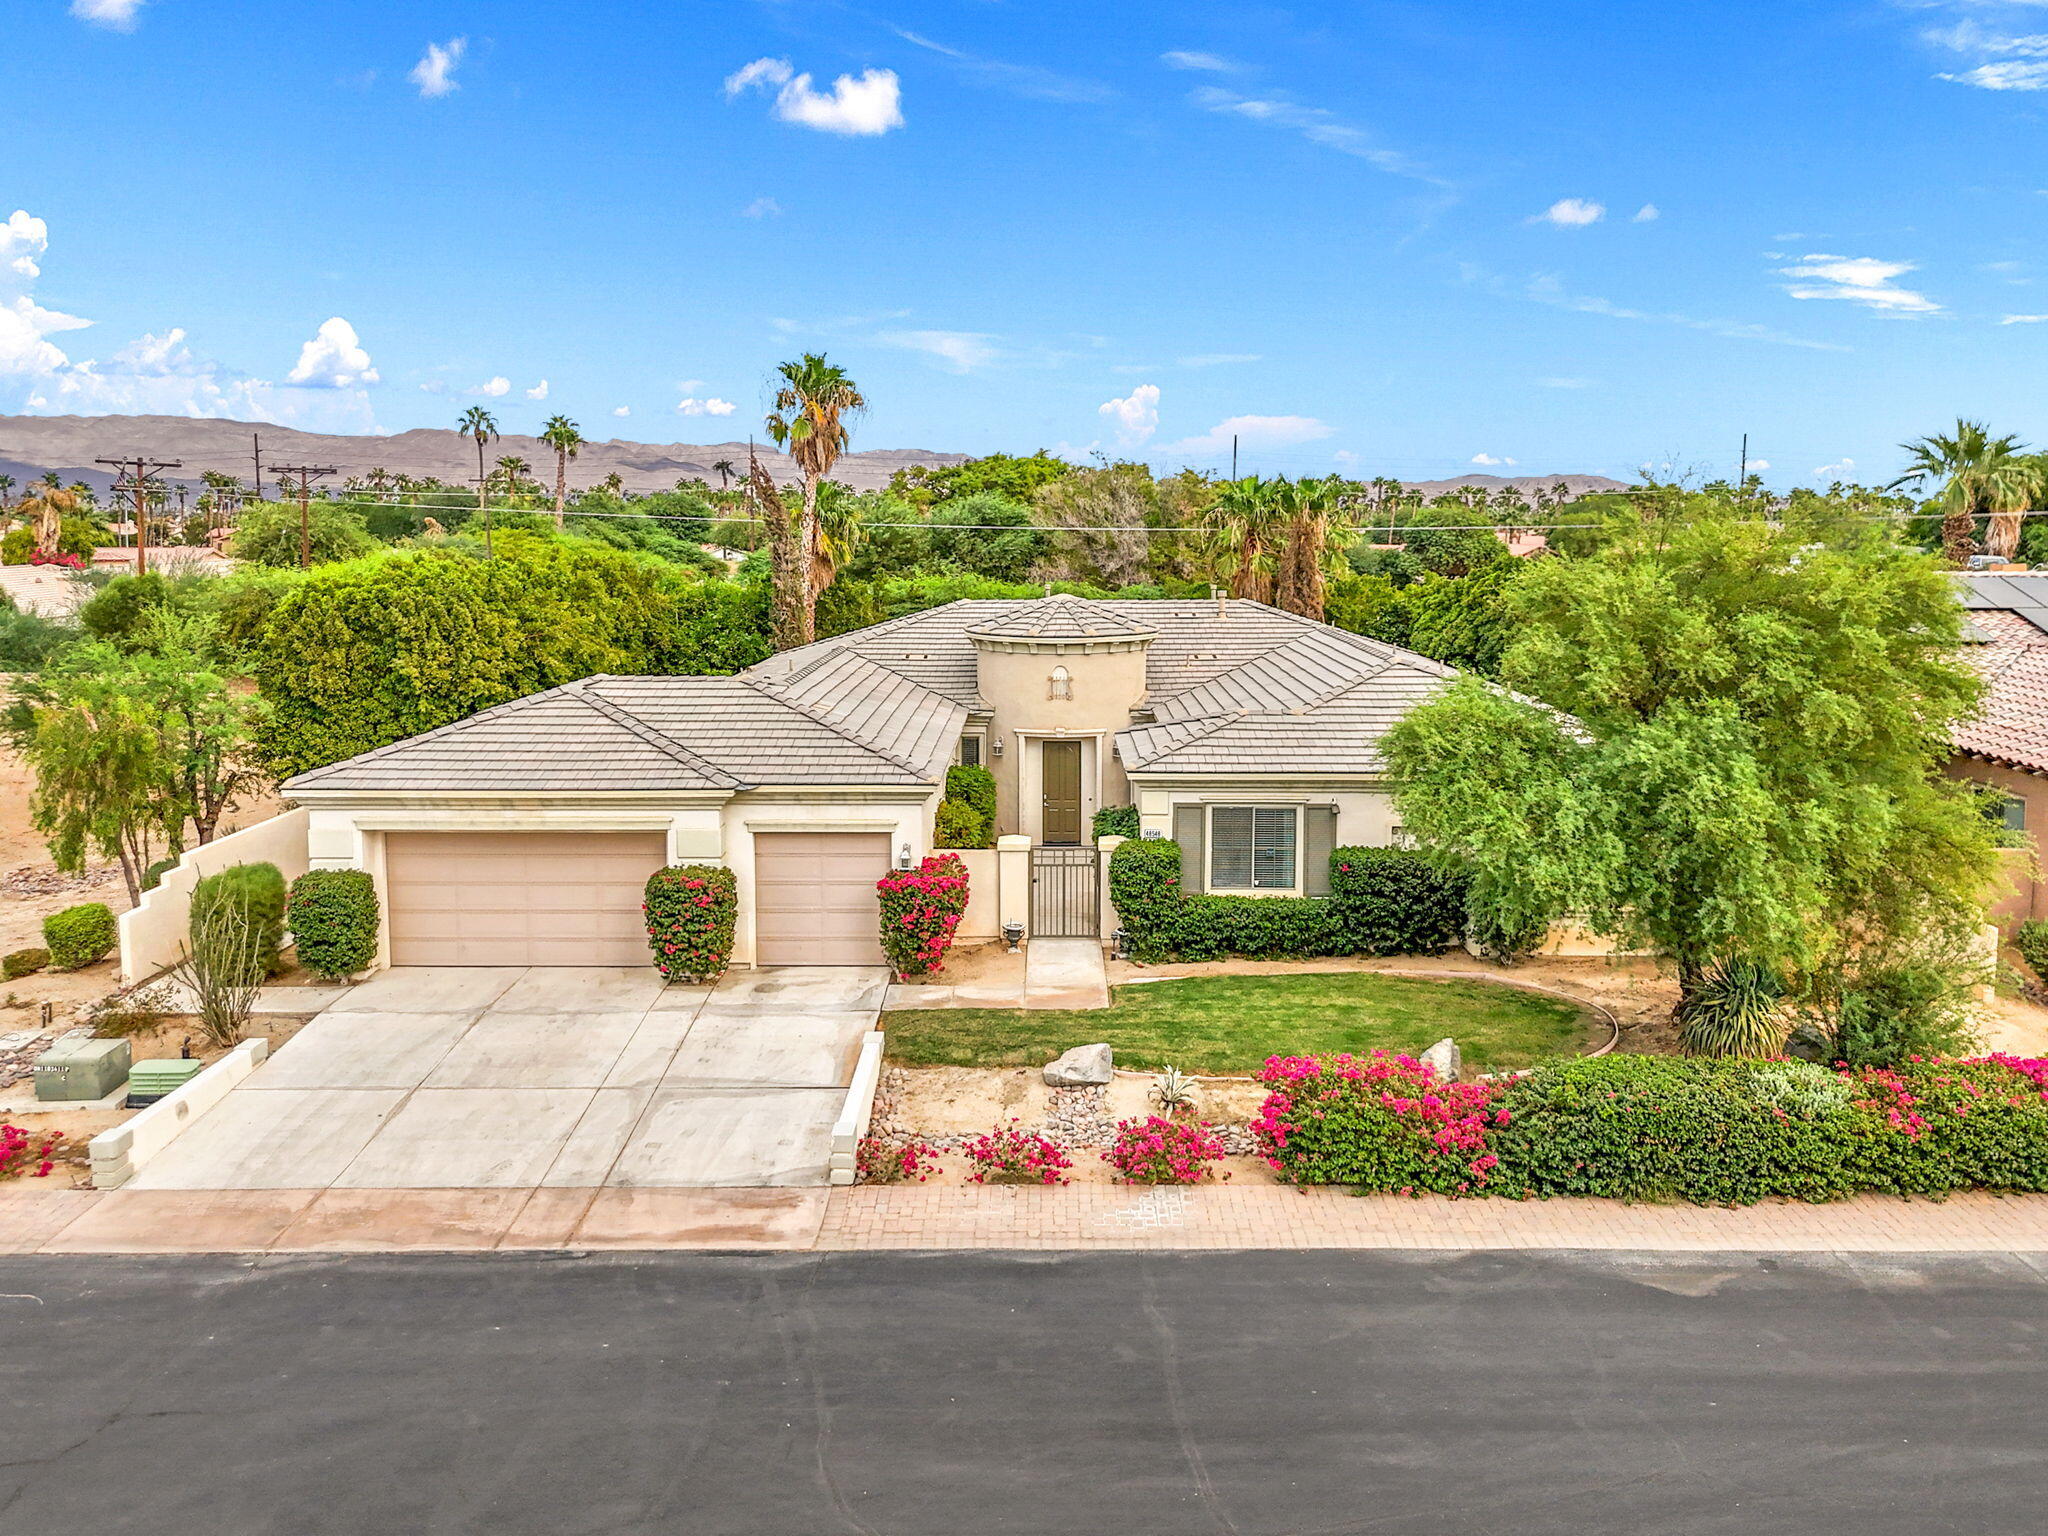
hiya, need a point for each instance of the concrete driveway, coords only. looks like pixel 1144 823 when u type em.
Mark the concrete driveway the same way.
pixel 428 1078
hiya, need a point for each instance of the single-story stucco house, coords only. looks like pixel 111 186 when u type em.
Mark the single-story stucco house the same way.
pixel 2006 745
pixel 523 835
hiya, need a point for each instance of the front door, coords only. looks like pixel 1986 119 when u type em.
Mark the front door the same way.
pixel 1060 774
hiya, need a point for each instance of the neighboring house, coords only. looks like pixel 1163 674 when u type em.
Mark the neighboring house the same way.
pixel 2006 745
pixel 523 834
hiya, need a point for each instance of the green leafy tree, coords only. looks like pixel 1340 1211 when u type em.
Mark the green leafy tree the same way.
pixel 268 534
pixel 1740 762
pixel 1090 514
pixel 986 533
pixel 1010 476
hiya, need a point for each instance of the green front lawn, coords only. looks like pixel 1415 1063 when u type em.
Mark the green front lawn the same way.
pixel 1231 1024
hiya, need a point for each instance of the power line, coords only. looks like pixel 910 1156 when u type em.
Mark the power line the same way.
pixel 139 469
pixel 307 474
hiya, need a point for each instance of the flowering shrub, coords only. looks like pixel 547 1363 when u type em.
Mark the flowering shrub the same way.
pixel 1380 1122
pixel 877 1161
pixel 920 910
pixel 15 1156
pixel 1715 1132
pixel 1010 1155
pixel 690 910
pixel 1156 1151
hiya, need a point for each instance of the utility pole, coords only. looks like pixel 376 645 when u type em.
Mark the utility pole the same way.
pixel 138 470
pixel 307 474
pixel 1233 455
pixel 256 440
pixel 1742 474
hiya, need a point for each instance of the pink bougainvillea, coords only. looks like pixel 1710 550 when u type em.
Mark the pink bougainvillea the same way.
pixel 921 908
pixel 1390 1114
pixel 690 911
pixel 15 1154
pixel 878 1161
pixel 1010 1154
pixel 1159 1151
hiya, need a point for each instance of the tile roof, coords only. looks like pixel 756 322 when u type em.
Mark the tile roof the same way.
pixel 2011 651
pixel 2017 592
pixel 1251 690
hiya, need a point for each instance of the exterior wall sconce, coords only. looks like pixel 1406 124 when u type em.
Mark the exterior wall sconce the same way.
pixel 1013 935
pixel 903 857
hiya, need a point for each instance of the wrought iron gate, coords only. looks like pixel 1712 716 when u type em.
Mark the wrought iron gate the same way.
pixel 1066 893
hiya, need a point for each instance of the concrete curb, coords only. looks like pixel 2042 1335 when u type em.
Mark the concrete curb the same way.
pixel 852 1123
pixel 119 1154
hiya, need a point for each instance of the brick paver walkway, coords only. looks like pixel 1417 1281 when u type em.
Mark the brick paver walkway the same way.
pixel 1087 1216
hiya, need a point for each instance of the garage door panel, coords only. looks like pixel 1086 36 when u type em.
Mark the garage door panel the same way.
pixel 519 898
pixel 814 897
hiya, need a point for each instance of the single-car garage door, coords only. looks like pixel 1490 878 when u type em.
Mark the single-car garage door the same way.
pixel 814 897
pixel 519 898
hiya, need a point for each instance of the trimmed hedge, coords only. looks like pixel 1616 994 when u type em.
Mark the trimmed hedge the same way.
pixel 1712 1132
pixel 153 876
pixel 967 815
pixel 1382 901
pixel 80 935
pixel 332 914
pixel 1116 821
pixel 23 962
pixel 690 911
pixel 258 892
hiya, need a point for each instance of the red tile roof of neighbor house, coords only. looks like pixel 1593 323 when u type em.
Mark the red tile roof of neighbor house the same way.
pixel 2008 634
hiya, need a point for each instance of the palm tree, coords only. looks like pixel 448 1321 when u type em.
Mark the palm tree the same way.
pixel 613 484
pixel 1305 557
pixel 514 469
pixel 809 422
pixel 1248 519
pixel 1981 474
pixel 6 492
pixel 48 504
pixel 726 470
pixel 481 425
pixel 839 535
pixel 561 435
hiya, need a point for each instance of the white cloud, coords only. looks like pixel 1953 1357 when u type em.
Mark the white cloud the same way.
pixel 1212 63
pixel 1864 280
pixel 711 407
pixel 1837 471
pixel 117 14
pixel 868 105
pixel 1219 359
pixel 762 208
pixel 1026 80
pixel 539 391
pixel 435 72
pixel 1649 213
pixel 23 238
pixel 1758 466
pixel 1344 458
pixel 1487 458
pixel 1136 415
pixel 1564 383
pixel 1316 124
pixel 1548 290
pixel 2023 319
pixel 333 359
pixel 622 410
pixel 1252 432
pixel 957 351
pixel 2005 75
pixel 1571 213
pixel 494 387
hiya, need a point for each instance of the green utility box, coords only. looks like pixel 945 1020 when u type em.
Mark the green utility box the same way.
pixel 153 1079
pixel 81 1068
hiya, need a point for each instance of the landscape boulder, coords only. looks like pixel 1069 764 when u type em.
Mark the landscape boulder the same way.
pixel 1085 1066
pixel 1445 1058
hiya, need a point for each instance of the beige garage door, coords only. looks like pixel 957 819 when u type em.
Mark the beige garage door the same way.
pixel 519 898
pixel 814 897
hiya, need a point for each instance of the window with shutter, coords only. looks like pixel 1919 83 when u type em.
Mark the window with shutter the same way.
pixel 1252 847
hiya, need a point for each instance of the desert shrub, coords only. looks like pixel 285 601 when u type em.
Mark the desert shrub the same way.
pixel 1498 935
pixel 1144 887
pixel 1011 1155
pixel 269 534
pixel 133 1012
pixel 257 892
pixel 23 962
pixel 1668 1128
pixel 1734 1012
pixel 1390 901
pixel 1115 821
pixel 920 909
pixel 17 545
pixel 153 876
pixel 80 935
pixel 690 911
pixel 959 825
pixel 230 939
pixel 1156 1151
pixel 877 1160
pixel 1382 1123
pixel 1892 1013
pixel 332 914
pixel 29 640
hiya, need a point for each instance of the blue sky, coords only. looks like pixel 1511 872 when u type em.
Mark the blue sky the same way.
pixel 1410 238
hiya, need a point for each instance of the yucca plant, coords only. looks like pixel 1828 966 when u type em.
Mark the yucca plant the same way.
pixel 1175 1093
pixel 1734 1012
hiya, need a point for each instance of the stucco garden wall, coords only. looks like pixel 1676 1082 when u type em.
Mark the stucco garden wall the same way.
pixel 153 932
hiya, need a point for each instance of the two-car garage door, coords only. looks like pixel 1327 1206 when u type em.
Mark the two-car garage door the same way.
pixel 573 898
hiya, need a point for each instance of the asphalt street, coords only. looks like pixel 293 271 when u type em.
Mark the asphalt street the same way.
pixel 957 1393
